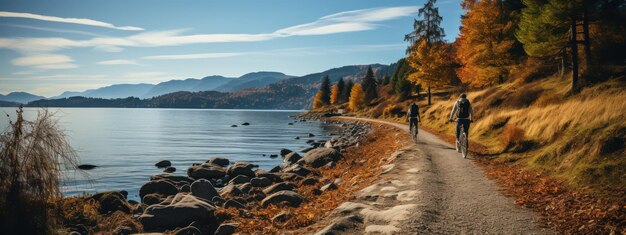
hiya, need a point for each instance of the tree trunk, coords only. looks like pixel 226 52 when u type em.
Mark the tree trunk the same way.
pixel 574 48
pixel 429 95
pixel 587 42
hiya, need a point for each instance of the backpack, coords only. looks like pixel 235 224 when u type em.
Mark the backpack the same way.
pixel 464 107
pixel 414 111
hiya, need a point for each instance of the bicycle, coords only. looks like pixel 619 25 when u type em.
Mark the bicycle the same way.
pixel 462 142
pixel 414 130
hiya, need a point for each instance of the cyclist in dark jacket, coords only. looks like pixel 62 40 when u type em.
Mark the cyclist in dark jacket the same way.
pixel 464 114
pixel 413 115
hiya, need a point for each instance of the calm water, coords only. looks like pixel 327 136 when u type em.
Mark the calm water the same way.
pixel 125 143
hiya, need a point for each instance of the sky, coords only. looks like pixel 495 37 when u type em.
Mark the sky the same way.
pixel 48 47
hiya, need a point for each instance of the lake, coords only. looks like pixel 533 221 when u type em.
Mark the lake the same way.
pixel 125 143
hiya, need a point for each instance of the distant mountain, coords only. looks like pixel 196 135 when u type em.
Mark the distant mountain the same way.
pixel 20 97
pixel 209 83
pixel 8 104
pixel 288 93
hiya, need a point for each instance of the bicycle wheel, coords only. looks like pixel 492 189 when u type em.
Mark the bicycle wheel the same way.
pixel 414 132
pixel 463 143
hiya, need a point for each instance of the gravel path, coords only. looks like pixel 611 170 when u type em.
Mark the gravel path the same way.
pixel 430 189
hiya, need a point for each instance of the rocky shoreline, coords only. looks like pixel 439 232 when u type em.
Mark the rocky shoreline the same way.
pixel 193 204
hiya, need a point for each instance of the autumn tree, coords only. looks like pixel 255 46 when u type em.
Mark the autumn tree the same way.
pixel 369 85
pixel 317 100
pixel 433 63
pixel 347 89
pixel 334 94
pixel 485 43
pixel 357 98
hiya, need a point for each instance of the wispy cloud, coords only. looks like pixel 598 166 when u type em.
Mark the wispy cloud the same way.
pixel 118 62
pixel 81 21
pixel 46 29
pixel 348 21
pixel 45 61
pixel 192 56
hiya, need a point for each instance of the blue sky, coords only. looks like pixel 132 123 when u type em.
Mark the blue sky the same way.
pixel 47 47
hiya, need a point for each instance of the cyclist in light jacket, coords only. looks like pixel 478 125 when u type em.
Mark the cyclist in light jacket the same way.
pixel 464 114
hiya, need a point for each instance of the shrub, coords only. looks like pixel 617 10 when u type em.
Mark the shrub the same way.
pixel 392 111
pixel 33 155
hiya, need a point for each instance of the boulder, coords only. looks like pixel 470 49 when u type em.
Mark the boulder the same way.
pixel 226 229
pixel 273 155
pixel 189 230
pixel 309 181
pixel 292 157
pixel 342 225
pixel 163 163
pixel 233 125
pixel 203 188
pixel 279 187
pixel 111 202
pixel 291 198
pixel 297 169
pixel 172 178
pixel 311 135
pixel 151 199
pixel 185 188
pixel 240 179
pixel 232 203
pixel 223 162
pixel 284 152
pixel 230 190
pixel 86 166
pixel 306 150
pixel 331 186
pixel 260 182
pixel 276 169
pixel 245 188
pixel 169 169
pixel 162 187
pixel 206 171
pixel 241 168
pixel 281 217
pixel 274 177
pixel 180 212
pixel 286 176
pixel 245 124
pixel 320 157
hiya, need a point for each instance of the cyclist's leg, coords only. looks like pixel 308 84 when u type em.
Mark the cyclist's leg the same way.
pixel 458 131
pixel 466 127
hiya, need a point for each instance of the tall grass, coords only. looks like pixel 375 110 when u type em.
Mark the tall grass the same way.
pixel 32 155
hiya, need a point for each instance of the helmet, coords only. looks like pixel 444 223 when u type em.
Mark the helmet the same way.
pixel 463 96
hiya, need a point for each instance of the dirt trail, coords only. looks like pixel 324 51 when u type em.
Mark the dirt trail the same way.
pixel 429 189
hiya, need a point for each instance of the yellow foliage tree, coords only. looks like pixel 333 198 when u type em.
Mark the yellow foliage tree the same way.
pixel 334 94
pixel 483 48
pixel 357 98
pixel 433 64
pixel 317 101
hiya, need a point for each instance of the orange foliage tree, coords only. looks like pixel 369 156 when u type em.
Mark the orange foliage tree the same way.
pixel 433 64
pixel 317 101
pixel 334 94
pixel 357 98
pixel 485 42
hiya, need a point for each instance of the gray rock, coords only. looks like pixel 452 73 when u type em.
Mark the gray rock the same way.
pixel 226 229
pixel 281 217
pixel 162 187
pixel 297 169
pixel 86 166
pixel 230 190
pixel 180 212
pixel 223 162
pixel 320 157
pixel 245 124
pixel 111 202
pixel 151 199
pixel 274 177
pixel 260 182
pixel 240 179
pixel 284 152
pixel 232 203
pixel 170 169
pixel 163 163
pixel 185 188
pixel 309 181
pixel 203 188
pixel 245 188
pixel 276 169
pixel 124 230
pixel 206 171
pixel 292 157
pixel 331 186
pixel 342 225
pixel 291 198
pixel 241 168
pixel 279 187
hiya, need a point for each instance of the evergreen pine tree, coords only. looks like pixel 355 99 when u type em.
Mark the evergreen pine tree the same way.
pixel 340 86
pixel 427 27
pixel 345 94
pixel 325 90
pixel 369 85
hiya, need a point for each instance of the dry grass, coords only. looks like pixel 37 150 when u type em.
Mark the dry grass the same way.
pixel 33 155
pixel 563 134
pixel 359 167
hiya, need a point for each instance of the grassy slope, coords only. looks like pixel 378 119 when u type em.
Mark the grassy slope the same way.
pixel 538 125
